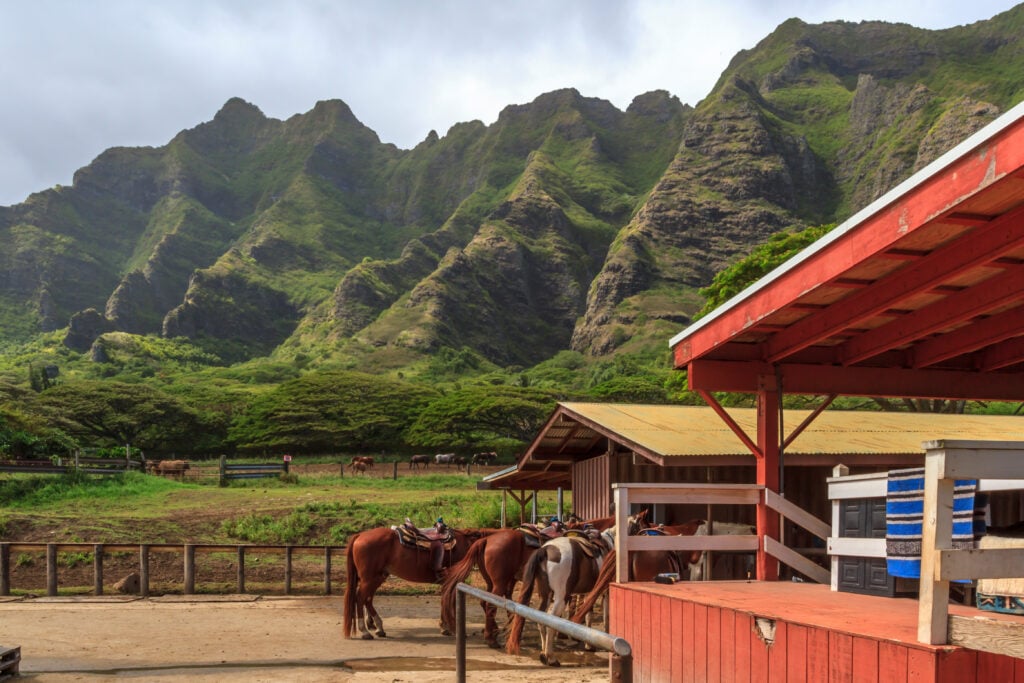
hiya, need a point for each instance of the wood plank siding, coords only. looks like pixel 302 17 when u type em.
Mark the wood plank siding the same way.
pixel 748 632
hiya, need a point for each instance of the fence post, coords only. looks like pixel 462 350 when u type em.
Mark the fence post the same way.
pixel 327 570
pixel 342 473
pixel 223 470
pixel 190 569
pixel 51 569
pixel 144 570
pixel 460 637
pixel 97 568
pixel 241 569
pixel 5 569
pixel 287 570
pixel 395 475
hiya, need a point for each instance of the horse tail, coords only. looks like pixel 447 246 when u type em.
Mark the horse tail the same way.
pixel 351 586
pixel 456 575
pixel 601 583
pixel 515 633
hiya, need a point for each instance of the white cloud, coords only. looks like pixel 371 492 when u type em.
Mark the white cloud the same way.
pixel 83 77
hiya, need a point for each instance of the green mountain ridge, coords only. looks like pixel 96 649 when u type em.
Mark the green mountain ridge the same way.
pixel 567 224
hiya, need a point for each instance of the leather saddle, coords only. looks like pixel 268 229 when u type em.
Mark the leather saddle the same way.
pixel 411 536
pixel 536 536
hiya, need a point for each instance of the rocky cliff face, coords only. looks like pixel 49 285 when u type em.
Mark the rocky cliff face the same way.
pixel 567 223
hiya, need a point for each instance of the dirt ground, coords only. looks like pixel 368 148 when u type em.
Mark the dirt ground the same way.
pixel 250 638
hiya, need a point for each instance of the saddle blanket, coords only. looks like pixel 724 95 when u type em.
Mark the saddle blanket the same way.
pixel 904 513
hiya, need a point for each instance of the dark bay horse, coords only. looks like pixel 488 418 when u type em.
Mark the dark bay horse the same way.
pixel 373 555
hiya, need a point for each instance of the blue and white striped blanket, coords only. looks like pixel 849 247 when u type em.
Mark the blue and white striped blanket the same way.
pixel 904 512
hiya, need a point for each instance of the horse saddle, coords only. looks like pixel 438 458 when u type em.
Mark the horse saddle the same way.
pixel 414 537
pixel 536 536
pixel 591 543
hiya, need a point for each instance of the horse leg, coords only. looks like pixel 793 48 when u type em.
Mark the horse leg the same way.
pixel 558 606
pixel 367 590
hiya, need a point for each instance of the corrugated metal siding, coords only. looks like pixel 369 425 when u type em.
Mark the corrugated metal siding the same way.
pixel 591 488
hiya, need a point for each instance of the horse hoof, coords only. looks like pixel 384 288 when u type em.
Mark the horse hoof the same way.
pixel 550 663
pixel 445 632
pixel 381 634
pixel 493 644
pixel 367 636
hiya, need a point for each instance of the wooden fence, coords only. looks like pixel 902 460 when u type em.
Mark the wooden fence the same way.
pixel 68 465
pixel 187 551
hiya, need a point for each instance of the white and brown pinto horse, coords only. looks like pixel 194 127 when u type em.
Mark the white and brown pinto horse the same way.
pixel 559 569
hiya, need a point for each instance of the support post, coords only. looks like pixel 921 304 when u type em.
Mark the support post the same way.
pixel 5 569
pixel 394 473
pixel 288 570
pixel 327 570
pixel 223 470
pixel 241 568
pixel 144 570
pixel 767 472
pixel 97 568
pixel 621 539
pixel 190 569
pixel 936 535
pixel 460 637
pixel 51 569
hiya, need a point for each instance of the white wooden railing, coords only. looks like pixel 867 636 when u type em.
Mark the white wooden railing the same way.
pixel 627 495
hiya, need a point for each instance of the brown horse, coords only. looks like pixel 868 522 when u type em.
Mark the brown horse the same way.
pixel 373 555
pixel 500 557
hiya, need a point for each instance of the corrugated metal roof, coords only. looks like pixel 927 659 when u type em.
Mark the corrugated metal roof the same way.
pixel 680 431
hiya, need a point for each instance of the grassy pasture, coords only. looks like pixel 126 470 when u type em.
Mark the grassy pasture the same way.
pixel 315 507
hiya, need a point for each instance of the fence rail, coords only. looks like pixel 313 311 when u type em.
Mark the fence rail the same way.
pixel 188 551
pixel 620 649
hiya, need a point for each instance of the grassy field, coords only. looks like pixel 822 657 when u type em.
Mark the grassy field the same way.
pixel 314 506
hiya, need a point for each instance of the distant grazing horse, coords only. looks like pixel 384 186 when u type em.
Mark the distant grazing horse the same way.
pixel 358 467
pixel 484 458
pixel 364 459
pixel 170 468
pixel 417 460
pixel 561 568
pixel 500 557
pixel 444 459
pixel 373 555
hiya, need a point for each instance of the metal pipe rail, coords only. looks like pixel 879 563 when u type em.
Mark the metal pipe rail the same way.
pixel 621 652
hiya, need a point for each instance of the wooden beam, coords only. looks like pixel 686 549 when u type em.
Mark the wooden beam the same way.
pixel 797 561
pixel 976 248
pixel 861 381
pixel 808 420
pixel 730 423
pixel 988 635
pixel 969 338
pixel 991 294
pixel 1002 355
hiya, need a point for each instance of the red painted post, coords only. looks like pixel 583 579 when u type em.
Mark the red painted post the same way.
pixel 767 471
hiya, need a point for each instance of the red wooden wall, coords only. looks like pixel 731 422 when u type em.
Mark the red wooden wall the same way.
pixel 676 640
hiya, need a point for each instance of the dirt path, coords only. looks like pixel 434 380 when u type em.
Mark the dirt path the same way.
pixel 246 638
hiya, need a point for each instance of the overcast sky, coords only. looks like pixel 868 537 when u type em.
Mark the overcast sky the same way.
pixel 80 77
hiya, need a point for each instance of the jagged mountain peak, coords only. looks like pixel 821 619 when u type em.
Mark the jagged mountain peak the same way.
pixel 566 223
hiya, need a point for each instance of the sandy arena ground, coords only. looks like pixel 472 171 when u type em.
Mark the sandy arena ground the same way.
pixel 248 638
